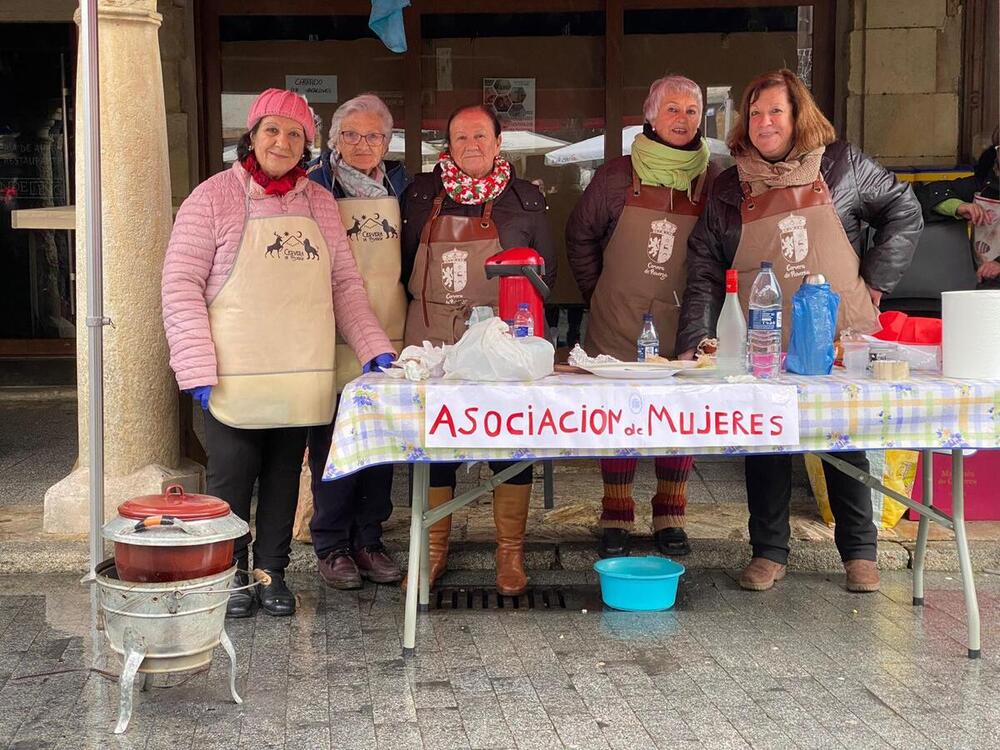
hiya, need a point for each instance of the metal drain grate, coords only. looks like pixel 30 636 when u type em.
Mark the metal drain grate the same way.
pixel 536 598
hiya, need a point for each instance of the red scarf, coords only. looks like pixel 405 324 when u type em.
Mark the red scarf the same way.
pixel 272 185
pixel 473 191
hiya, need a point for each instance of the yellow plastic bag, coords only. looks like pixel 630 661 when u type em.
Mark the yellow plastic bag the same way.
pixel 896 469
pixel 304 507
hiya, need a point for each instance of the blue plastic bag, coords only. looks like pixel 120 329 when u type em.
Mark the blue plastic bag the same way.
pixel 814 323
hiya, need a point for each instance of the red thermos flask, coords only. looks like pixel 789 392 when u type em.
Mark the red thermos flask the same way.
pixel 520 272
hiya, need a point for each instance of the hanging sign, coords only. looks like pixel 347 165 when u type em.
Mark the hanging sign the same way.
pixel 611 415
pixel 316 89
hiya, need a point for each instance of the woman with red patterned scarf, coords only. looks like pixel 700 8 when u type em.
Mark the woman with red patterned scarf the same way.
pixel 470 207
pixel 257 270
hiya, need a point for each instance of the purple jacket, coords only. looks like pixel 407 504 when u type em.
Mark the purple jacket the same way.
pixel 201 253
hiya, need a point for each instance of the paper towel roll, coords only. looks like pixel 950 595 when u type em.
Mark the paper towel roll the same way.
pixel 970 336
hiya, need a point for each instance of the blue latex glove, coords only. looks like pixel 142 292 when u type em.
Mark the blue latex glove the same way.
pixel 201 394
pixel 380 363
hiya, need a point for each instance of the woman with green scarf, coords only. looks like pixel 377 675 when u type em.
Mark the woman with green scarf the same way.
pixel 626 242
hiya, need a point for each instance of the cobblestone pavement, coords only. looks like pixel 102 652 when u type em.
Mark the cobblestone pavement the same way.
pixel 805 665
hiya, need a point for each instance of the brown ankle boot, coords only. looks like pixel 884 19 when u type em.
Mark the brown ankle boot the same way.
pixel 862 576
pixel 437 535
pixel 510 513
pixel 761 574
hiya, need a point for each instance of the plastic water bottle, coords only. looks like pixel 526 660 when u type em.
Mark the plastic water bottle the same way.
pixel 731 329
pixel 524 323
pixel 648 344
pixel 764 340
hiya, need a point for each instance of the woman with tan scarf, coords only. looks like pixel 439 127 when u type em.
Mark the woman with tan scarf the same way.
pixel 799 198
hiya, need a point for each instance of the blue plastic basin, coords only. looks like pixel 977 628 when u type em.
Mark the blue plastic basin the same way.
pixel 639 584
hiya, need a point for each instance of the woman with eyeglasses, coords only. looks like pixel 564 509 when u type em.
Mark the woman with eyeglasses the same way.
pixel 348 513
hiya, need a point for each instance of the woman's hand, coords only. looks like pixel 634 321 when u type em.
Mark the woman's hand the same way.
pixel 976 214
pixel 380 363
pixel 990 269
pixel 201 394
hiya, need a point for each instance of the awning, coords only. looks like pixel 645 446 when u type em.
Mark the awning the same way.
pixel 592 149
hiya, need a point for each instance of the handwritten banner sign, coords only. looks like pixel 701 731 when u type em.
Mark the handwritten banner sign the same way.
pixel 611 415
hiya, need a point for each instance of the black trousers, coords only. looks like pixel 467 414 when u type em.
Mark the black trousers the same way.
pixel 769 492
pixel 347 512
pixel 443 475
pixel 236 459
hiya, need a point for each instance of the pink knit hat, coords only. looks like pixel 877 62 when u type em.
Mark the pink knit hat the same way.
pixel 284 104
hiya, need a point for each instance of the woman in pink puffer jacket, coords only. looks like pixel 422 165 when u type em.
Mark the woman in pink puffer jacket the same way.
pixel 257 274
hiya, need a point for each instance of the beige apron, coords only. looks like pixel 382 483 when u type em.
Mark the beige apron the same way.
pixel 798 230
pixel 644 270
pixel 373 233
pixel 449 275
pixel 273 328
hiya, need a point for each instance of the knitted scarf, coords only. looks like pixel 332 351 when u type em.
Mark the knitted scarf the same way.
pixel 658 164
pixel 272 185
pixel 357 184
pixel 795 169
pixel 473 191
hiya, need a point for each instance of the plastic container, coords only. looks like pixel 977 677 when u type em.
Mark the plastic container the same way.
pixel 731 329
pixel 648 344
pixel 639 584
pixel 856 358
pixel 764 324
pixel 524 323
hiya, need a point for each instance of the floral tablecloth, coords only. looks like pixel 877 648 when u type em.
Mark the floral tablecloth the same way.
pixel 381 420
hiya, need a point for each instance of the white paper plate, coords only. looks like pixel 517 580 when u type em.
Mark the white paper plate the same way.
pixel 635 370
pixel 701 372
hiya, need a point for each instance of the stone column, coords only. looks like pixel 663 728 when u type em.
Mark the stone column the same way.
pixel 140 394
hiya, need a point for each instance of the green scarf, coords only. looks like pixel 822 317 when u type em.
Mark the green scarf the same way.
pixel 661 165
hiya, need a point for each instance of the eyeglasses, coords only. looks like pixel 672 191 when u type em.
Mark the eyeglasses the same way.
pixel 351 138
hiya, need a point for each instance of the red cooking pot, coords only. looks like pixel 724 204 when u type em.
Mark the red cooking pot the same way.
pixel 175 536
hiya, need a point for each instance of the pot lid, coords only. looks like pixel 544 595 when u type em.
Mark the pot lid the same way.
pixel 176 503
pixel 174 519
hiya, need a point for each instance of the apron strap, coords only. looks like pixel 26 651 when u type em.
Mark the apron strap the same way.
pixel 487 214
pixel 636 187
pixel 747 196
pixel 425 233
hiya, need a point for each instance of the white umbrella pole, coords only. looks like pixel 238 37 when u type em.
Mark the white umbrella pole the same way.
pixel 95 281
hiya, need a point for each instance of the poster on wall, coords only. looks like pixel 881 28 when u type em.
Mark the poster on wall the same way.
pixel 316 89
pixel 513 100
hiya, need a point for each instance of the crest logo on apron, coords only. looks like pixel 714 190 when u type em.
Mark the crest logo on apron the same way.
pixel 374 228
pixel 794 238
pixel 288 246
pixel 455 269
pixel 661 240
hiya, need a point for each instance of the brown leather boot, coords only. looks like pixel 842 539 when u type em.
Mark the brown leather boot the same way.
pixel 510 513
pixel 862 576
pixel 761 574
pixel 437 542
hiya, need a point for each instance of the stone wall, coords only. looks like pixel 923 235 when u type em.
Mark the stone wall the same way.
pixel 177 53
pixel 903 81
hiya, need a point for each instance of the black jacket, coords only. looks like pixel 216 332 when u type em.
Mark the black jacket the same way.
pixel 984 181
pixel 863 193
pixel 520 212
pixel 319 171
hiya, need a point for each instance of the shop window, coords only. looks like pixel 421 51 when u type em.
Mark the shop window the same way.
pixel 37 298
pixel 543 74
pixel 722 49
pixel 330 58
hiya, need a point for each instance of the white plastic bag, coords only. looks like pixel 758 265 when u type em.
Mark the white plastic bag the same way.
pixel 487 352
